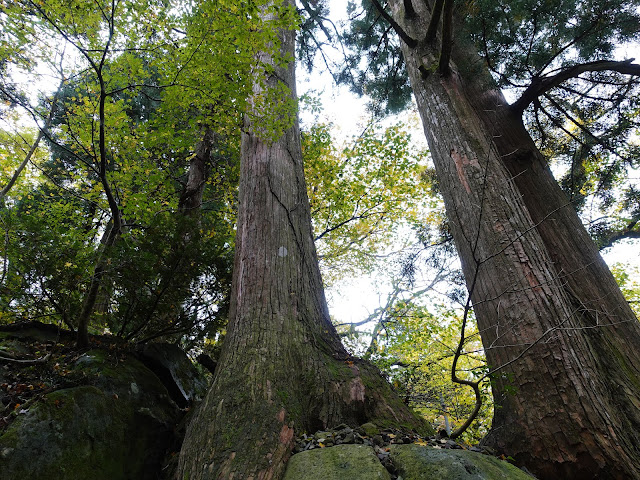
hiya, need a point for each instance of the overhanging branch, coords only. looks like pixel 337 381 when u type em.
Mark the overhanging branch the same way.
pixel 411 42
pixel 629 231
pixel 542 85
pixel 447 38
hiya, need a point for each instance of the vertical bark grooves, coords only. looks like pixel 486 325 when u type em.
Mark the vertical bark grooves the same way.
pixel 568 414
pixel 609 327
pixel 283 369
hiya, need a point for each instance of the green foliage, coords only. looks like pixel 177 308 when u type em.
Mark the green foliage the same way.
pixel 362 195
pixel 526 38
pixel 142 80
pixel 628 278
pixel 586 124
pixel 415 349
pixel 47 258
pixel 374 65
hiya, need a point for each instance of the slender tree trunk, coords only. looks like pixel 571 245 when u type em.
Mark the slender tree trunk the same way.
pixel 34 146
pixel 283 369
pixel 191 198
pixel 88 307
pixel 561 409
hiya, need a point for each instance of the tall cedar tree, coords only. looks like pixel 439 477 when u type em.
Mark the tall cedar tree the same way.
pixel 556 329
pixel 282 368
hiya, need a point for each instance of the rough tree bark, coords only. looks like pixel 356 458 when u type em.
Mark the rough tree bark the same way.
pixel 191 197
pixel 282 369
pixel 548 310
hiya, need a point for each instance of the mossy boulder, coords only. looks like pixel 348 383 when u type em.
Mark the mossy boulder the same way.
pixel 370 429
pixel 416 462
pixel 82 433
pixel 127 378
pixel 353 462
pixel 110 415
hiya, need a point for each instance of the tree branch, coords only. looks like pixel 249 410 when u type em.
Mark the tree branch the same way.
pixel 6 358
pixel 314 14
pixel 409 11
pixel 627 232
pixel 411 42
pixel 447 38
pixel 34 147
pixel 541 85
pixel 432 29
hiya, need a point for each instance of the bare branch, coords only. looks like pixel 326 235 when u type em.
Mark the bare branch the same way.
pixel 11 359
pixel 411 42
pixel 541 85
pixel 432 29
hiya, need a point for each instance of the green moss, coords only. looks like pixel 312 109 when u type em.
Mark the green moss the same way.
pixel 622 363
pixel 353 462
pixel 335 370
pixel 8 441
pixel 416 462
pixel 104 431
pixel 283 395
pixel 64 429
pixel 370 429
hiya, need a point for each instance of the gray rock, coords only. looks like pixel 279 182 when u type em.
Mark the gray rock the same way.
pixel 416 462
pixel 353 462
pixel 349 438
pixel 370 429
pixel 175 370
pixel 322 436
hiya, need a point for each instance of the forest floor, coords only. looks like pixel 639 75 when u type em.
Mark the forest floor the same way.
pixel 35 361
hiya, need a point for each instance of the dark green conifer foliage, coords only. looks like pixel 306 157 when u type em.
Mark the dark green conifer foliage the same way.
pixel 556 61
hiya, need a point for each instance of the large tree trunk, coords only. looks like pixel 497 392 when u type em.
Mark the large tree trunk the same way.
pixel 567 395
pixel 283 369
pixel 609 326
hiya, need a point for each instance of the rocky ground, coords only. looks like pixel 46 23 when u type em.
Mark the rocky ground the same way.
pixel 380 440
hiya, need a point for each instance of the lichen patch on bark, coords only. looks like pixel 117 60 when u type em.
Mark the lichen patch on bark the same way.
pixel 461 160
pixel 357 390
pixel 286 435
pixel 268 392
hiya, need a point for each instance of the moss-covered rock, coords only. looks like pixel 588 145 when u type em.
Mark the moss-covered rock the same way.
pixel 353 462
pixel 416 462
pixel 109 415
pixel 82 433
pixel 370 429
pixel 129 379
